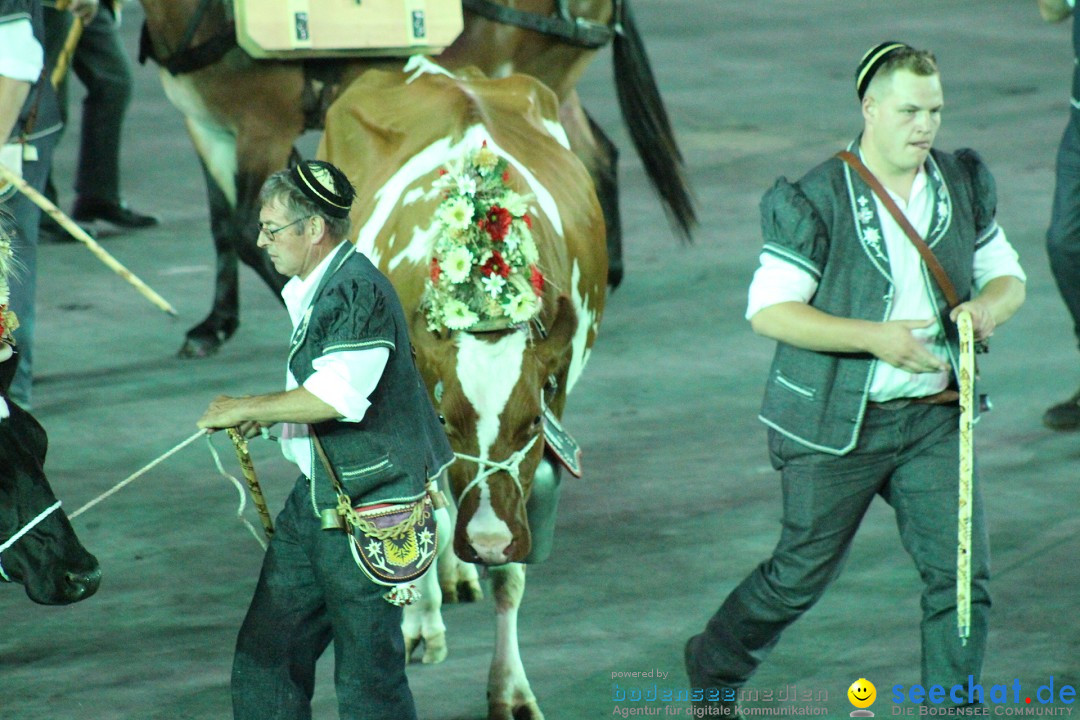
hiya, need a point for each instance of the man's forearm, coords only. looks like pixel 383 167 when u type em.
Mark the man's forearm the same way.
pixel 807 327
pixel 12 96
pixel 1003 296
pixel 293 406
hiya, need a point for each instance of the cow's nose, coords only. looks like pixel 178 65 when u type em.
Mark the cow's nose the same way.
pixel 80 586
pixel 493 551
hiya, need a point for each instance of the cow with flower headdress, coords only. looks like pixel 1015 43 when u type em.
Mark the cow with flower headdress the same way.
pixel 38 547
pixel 470 201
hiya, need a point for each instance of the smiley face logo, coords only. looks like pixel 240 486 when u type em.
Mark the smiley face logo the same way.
pixel 862 693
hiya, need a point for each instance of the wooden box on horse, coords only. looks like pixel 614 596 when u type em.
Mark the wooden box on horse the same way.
pixel 290 29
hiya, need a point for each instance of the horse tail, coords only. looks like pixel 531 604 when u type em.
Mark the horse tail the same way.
pixel 647 120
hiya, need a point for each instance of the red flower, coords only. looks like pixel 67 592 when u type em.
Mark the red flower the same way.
pixel 536 279
pixel 528 220
pixel 442 171
pixel 497 223
pixel 495 265
pixel 436 271
pixel 506 176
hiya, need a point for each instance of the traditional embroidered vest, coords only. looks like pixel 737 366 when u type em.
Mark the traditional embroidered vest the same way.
pixel 827 223
pixel 400 444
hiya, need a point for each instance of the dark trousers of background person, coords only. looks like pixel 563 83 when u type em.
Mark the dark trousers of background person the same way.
pixel 102 65
pixel 23 282
pixel 1063 236
pixel 909 456
pixel 310 592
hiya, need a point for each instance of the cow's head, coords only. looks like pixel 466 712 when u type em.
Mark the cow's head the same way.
pixel 48 558
pixel 491 389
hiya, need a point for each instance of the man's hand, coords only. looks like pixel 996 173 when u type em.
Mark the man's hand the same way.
pixel 85 10
pixel 226 412
pixel 895 343
pixel 1054 10
pixel 982 319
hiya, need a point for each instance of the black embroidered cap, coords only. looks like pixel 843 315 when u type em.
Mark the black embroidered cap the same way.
pixel 334 197
pixel 872 61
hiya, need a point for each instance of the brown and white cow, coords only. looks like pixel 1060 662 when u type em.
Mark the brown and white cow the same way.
pixel 392 133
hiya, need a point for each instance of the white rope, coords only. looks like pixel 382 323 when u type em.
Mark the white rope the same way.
pixel 511 466
pixel 134 476
pixel 25 529
pixel 239 489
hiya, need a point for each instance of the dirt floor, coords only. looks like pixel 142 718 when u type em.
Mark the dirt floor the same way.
pixel 678 501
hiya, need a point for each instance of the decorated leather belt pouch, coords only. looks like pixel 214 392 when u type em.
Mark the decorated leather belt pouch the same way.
pixel 393 543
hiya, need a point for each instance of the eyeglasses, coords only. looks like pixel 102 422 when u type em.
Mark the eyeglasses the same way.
pixel 271 233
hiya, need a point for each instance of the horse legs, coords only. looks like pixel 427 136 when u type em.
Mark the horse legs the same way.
pixel 205 338
pixel 600 157
pixel 509 694
pixel 234 225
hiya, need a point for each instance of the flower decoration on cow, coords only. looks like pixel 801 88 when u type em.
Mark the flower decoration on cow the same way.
pixel 483 271
pixel 8 321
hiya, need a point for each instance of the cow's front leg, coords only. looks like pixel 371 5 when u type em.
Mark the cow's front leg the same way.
pixel 422 621
pixel 509 694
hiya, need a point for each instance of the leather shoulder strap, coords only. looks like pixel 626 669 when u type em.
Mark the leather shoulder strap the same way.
pixel 927 254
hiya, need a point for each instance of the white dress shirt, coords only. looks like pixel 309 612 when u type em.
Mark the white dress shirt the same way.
pixel 22 57
pixel 343 380
pixel 777 281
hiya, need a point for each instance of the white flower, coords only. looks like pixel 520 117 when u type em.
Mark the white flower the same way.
pixel 522 307
pixel 493 284
pixel 466 185
pixel 456 213
pixel 528 249
pixel 4 292
pixel 457 264
pixel 457 315
pixel 516 204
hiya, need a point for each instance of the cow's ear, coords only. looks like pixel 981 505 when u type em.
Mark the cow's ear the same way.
pixel 561 331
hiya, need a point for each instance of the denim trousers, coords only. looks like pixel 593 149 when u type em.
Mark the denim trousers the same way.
pixel 24 282
pixel 1063 235
pixel 908 456
pixel 311 592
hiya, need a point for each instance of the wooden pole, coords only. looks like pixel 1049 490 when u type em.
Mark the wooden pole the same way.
pixel 248 469
pixel 967 455
pixel 79 234
pixel 63 60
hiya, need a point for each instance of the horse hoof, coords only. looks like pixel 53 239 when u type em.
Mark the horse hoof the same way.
pixel 502 711
pixel 199 347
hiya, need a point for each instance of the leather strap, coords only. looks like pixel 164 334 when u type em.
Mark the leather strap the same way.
pixel 927 254
pixel 574 31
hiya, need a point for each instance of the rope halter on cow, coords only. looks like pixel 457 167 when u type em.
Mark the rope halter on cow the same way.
pixel 511 466
pixel 22 531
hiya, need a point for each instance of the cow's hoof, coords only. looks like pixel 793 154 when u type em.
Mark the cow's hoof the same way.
pixel 527 711
pixel 435 650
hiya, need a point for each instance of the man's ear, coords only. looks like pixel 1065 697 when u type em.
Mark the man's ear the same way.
pixel 317 229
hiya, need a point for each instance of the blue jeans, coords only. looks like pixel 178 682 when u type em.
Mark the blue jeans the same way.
pixel 309 593
pixel 24 281
pixel 909 456
pixel 1063 235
